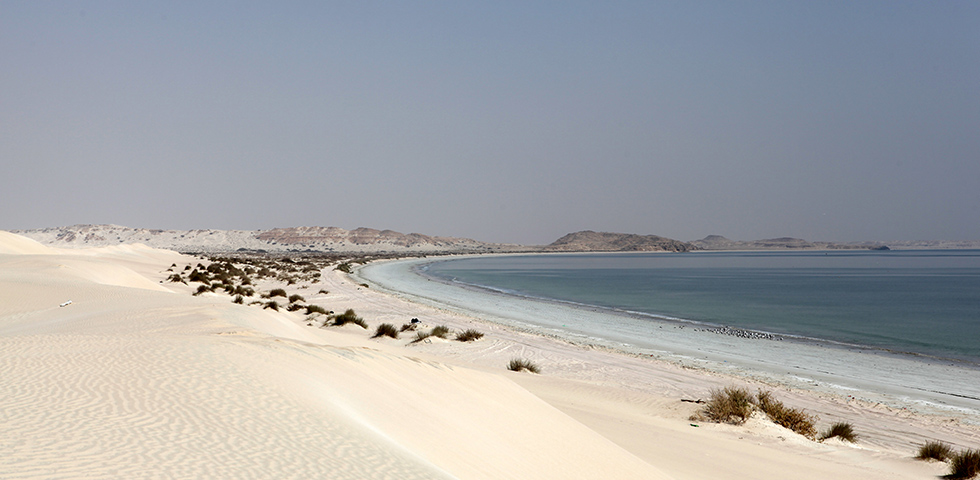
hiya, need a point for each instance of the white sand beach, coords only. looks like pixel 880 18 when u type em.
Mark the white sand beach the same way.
pixel 137 378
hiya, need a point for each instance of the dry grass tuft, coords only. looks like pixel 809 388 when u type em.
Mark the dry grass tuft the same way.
pixel 791 418
pixel 935 451
pixel 519 364
pixel 419 336
pixel 732 405
pixel 277 292
pixel 386 330
pixel 964 465
pixel 469 336
pixel 296 298
pixel 349 317
pixel 841 430
pixel 441 331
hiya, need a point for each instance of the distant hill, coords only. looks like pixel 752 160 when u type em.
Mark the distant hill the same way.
pixel 277 240
pixel 589 241
pixel 718 242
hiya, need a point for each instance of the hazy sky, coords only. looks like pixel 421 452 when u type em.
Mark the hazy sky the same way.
pixel 511 121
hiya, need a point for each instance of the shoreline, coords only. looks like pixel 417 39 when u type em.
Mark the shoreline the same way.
pixel 878 376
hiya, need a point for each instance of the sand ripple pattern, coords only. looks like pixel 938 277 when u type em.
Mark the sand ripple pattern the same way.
pixel 92 406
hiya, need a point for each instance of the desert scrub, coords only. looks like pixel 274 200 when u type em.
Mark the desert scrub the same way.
pixel 791 418
pixel 239 299
pixel 344 267
pixel 419 336
pixel 935 451
pixel 175 278
pixel 198 276
pixel 277 292
pixel 294 307
pixel 386 330
pixel 349 317
pixel 296 298
pixel 409 327
pixel 731 405
pixel 322 291
pixel 273 305
pixel 964 465
pixel 311 309
pixel 201 289
pixel 469 336
pixel 441 331
pixel 841 430
pixel 519 364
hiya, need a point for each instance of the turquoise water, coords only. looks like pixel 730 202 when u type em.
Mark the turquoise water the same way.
pixel 921 302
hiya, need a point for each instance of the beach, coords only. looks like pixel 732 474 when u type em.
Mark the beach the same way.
pixel 137 378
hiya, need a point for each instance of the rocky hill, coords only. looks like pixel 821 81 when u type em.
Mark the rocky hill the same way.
pixel 278 240
pixel 589 241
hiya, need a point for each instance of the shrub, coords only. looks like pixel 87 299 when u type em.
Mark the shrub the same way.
pixel 296 298
pixel 441 331
pixel 935 451
pixel 201 289
pixel 277 292
pixel 349 317
pixel 386 330
pixel 841 430
pixel 176 278
pixel 246 281
pixel 469 336
pixel 964 465
pixel 409 327
pixel 244 291
pixel 791 418
pixel 344 267
pixel 323 291
pixel 519 364
pixel 419 336
pixel 311 309
pixel 731 405
pixel 239 299
pixel 273 305
pixel 198 276
pixel 294 306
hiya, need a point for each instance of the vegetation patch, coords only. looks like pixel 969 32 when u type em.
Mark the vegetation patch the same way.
pixel 791 418
pixel 935 451
pixel 469 336
pixel 419 336
pixel 311 309
pixel 964 465
pixel 521 364
pixel 239 299
pixel 841 430
pixel 386 330
pixel 732 405
pixel 296 298
pixel 349 317
pixel 277 292
pixel 441 331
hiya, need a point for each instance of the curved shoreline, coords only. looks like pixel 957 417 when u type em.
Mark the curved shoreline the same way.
pixel 922 384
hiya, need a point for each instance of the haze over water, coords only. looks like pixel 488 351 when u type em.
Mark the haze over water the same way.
pixel 922 302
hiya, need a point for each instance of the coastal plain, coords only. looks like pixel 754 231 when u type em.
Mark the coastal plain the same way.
pixel 137 378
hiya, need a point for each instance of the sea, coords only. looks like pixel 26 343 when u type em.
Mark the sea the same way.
pixel 898 327
pixel 909 301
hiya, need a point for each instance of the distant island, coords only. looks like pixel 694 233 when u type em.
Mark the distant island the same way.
pixel 372 241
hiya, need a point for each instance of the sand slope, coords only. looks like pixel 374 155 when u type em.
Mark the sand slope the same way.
pixel 133 381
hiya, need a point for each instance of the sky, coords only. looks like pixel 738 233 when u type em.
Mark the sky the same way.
pixel 502 121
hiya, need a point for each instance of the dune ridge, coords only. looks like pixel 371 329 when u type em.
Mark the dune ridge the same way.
pixel 135 382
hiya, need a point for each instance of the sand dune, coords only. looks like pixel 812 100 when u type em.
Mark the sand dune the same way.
pixel 133 381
